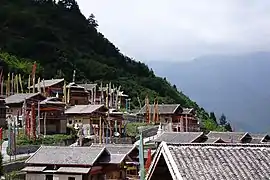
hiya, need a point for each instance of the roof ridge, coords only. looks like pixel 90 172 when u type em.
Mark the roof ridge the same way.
pixel 219 144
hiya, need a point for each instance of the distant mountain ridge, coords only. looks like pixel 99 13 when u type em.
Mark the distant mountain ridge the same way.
pixel 236 85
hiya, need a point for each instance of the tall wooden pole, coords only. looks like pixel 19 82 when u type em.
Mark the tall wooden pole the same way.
pixel 100 137
pixel 17 84
pixel 39 87
pixel 12 83
pixel 29 83
pixel 20 81
pixel 8 85
pixel 44 125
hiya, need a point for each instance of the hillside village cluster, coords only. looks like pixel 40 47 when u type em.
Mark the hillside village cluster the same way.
pixel 173 147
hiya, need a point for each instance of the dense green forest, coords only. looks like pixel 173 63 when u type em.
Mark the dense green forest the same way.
pixel 60 39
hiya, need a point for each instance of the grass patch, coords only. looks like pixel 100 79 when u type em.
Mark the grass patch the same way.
pixel 48 140
pixel 133 128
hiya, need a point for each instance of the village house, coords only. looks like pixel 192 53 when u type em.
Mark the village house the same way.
pixel 52 114
pixel 79 163
pixel 15 102
pixel 173 117
pixel 77 95
pixel 50 88
pixel 3 122
pixel 89 117
pixel 121 156
pixel 210 161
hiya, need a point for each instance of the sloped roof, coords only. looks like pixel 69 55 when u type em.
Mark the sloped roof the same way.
pixel 179 137
pixel 118 152
pixel 187 110
pixel 52 100
pixel 66 155
pixel 214 140
pixel 74 85
pixel 88 87
pixel 233 137
pixel 83 109
pixel 48 83
pixel 259 138
pixel 19 98
pixel 214 161
pixel 162 108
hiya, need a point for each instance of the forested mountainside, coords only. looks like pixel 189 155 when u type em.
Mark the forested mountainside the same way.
pixel 60 39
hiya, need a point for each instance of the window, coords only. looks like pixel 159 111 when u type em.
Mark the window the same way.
pixel 71 178
pixel 76 102
pixel 70 122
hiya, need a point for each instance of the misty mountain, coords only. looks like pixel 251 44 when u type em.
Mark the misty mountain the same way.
pixel 235 85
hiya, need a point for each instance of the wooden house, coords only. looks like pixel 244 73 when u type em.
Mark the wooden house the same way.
pixel 121 156
pixel 3 122
pixel 51 87
pixel 53 119
pixel 173 117
pixel 80 163
pixel 90 117
pixel 77 95
pixel 15 102
pixel 91 89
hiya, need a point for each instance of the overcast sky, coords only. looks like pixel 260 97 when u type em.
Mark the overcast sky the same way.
pixel 178 30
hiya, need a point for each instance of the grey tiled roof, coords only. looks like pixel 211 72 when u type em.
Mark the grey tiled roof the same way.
pixel 213 140
pixel 215 161
pixel 162 108
pixel 234 137
pixel 179 137
pixel 116 148
pixel 259 138
pixel 222 163
pixel 83 109
pixel 118 152
pixel 48 83
pixel 65 155
pixel 88 87
pixel 19 98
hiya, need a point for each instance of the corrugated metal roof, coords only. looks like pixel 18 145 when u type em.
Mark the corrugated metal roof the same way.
pixel 83 109
pixel 19 98
pixel 48 83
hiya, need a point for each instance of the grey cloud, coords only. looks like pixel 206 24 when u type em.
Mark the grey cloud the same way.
pixel 181 30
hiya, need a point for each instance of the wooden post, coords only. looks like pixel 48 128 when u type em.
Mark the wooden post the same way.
pixel 38 118
pixel 20 81
pixel 103 136
pixel 39 87
pixel 17 84
pixel 29 83
pixel 2 86
pixel 186 123
pixel 100 138
pixel 45 129
pixel 12 83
